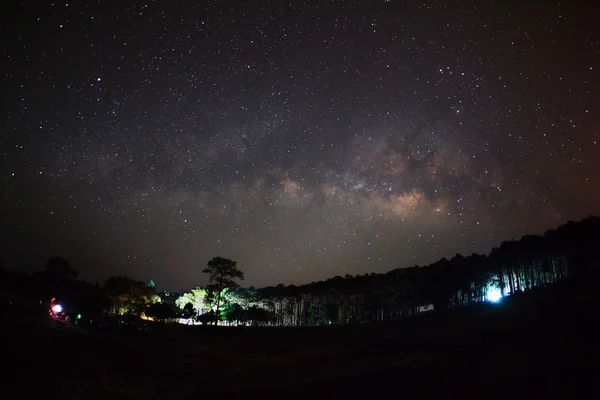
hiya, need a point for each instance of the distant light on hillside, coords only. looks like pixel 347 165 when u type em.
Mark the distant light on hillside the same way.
pixel 494 295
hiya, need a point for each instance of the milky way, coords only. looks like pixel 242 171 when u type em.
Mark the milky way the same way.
pixel 303 140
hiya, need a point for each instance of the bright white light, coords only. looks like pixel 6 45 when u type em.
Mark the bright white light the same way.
pixel 57 308
pixel 494 295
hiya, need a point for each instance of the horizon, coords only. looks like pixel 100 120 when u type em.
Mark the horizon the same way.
pixel 241 282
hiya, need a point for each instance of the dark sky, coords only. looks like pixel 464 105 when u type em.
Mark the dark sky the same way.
pixel 303 139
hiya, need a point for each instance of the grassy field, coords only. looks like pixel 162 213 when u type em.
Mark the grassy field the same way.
pixel 542 344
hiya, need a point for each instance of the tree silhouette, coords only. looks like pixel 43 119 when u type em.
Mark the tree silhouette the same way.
pixel 59 268
pixel 222 273
pixel 188 311
pixel 515 266
pixel 233 312
pixel 161 312
pixel 57 280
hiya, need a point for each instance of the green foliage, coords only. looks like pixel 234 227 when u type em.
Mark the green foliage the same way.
pixel 515 266
pixel 222 273
pixel 196 297
pixel 128 296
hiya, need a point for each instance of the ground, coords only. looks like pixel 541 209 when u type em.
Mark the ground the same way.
pixel 541 344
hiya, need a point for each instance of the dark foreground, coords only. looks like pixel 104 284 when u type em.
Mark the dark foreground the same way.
pixel 544 344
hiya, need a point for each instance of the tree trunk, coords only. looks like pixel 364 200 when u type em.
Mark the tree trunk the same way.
pixel 218 304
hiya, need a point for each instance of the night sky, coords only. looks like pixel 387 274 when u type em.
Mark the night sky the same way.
pixel 303 140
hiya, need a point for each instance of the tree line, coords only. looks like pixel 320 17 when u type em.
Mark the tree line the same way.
pixel 515 266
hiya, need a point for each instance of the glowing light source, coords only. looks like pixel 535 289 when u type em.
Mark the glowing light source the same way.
pixel 494 295
pixel 57 308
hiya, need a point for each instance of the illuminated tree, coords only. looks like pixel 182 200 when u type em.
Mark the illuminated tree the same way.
pixel 515 266
pixel 222 273
pixel 196 297
pixel 128 296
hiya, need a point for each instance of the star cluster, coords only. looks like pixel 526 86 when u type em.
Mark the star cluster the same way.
pixel 303 140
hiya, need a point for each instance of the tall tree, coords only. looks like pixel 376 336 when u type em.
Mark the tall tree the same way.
pixel 57 280
pixel 222 273
pixel 59 268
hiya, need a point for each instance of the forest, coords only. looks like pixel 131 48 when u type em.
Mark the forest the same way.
pixel 514 267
